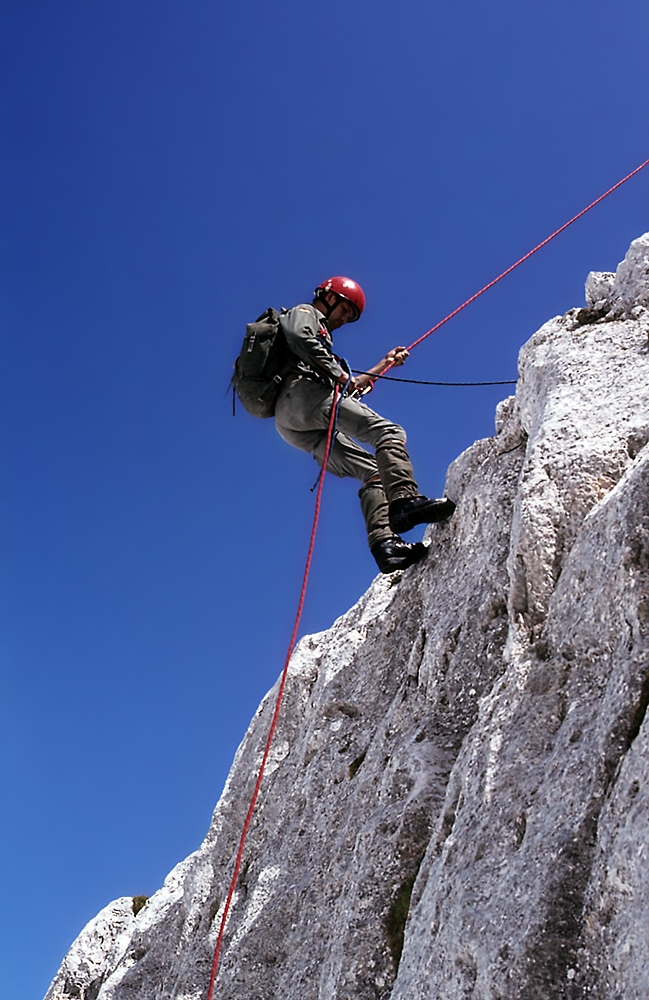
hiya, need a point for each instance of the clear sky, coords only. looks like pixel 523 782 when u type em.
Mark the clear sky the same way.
pixel 170 169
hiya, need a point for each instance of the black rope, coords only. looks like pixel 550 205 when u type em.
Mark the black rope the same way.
pixel 417 381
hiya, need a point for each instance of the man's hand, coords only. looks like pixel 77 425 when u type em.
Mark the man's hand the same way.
pixel 359 383
pixel 395 357
pixel 364 383
pixel 350 382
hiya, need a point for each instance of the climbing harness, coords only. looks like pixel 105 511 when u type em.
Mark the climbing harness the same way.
pixel 316 518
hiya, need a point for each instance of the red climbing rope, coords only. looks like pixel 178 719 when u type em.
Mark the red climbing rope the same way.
pixel 316 517
pixel 278 701
pixel 509 270
pixel 513 267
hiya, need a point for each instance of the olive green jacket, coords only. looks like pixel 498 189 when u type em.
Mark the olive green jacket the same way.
pixel 309 339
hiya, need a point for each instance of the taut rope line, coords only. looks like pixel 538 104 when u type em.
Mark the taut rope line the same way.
pixel 509 270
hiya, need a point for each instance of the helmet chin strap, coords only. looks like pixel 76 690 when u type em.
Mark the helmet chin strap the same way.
pixel 330 308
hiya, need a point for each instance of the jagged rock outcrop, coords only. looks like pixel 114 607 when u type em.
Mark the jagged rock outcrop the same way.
pixel 99 947
pixel 455 804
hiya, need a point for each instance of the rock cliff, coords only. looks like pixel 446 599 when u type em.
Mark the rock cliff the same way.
pixel 455 804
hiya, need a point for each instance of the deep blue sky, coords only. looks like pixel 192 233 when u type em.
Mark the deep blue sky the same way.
pixel 170 169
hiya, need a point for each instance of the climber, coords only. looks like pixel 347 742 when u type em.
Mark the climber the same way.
pixel 390 500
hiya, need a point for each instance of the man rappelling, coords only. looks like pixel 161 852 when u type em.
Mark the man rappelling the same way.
pixel 302 400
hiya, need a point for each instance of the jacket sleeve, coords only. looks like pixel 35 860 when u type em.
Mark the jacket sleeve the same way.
pixel 300 326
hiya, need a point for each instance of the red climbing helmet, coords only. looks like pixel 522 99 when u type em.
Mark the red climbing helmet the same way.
pixel 348 289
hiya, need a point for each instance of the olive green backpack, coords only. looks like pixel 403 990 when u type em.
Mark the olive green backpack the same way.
pixel 263 362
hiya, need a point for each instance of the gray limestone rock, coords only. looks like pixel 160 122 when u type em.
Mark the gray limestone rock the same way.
pixel 98 949
pixel 454 805
pixel 625 293
pixel 630 290
pixel 599 285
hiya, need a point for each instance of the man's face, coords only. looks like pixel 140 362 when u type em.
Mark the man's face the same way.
pixel 343 312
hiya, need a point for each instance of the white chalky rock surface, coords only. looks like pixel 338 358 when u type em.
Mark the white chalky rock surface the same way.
pixel 598 287
pixel 465 748
pixel 101 945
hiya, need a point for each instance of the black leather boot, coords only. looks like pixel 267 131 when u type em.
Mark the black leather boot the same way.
pixel 410 511
pixel 393 553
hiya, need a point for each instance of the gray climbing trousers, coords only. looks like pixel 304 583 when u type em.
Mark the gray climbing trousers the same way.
pixel 302 418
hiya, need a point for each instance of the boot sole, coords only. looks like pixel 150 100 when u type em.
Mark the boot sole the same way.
pixel 436 510
pixel 420 551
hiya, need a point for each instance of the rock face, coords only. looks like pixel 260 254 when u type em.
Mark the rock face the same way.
pixel 455 804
